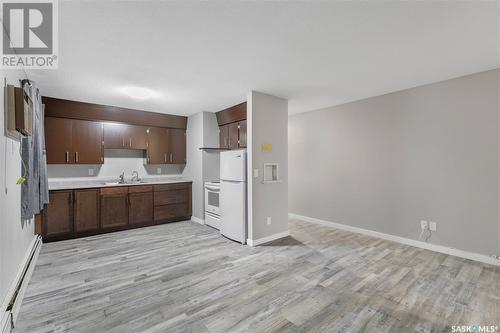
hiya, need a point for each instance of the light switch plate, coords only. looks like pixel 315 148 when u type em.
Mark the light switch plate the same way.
pixel 424 224
pixel 255 173
pixel 432 226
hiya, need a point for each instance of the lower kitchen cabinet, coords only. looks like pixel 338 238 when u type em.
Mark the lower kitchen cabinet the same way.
pixel 172 202
pixel 82 212
pixel 140 210
pixel 57 219
pixel 114 207
pixel 86 209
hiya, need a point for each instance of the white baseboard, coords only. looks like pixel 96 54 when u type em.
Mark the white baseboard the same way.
pixel 25 271
pixel 407 241
pixel 197 220
pixel 255 242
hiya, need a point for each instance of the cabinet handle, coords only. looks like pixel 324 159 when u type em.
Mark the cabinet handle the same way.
pixel 76 157
pixel 123 141
pixel 67 157
pixel 130 142
pixel 165 157
pixel 170 157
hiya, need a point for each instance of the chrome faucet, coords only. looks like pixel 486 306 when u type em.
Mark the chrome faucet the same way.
pixel 122 178
pixel 135 176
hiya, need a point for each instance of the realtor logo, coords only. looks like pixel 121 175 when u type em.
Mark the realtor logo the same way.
pixel 29 37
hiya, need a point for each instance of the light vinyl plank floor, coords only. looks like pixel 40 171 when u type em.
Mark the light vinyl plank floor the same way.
pixel 185 277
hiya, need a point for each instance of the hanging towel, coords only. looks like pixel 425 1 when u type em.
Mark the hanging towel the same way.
pixel 34 191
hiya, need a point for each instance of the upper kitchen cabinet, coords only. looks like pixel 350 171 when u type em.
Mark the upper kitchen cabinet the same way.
pixel 78 132
pixel 87 142
pixel 177 146
pixel 71 141
pixel 123 136
pixel 138 137
pixel 242 134
pixel 158 147
pixel 114 136
pixel 58 140
pixel 233 126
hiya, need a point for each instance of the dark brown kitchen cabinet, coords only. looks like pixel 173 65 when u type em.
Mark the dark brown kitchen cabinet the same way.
pixel 57 219
pixel 114 207
pixel 172 202
pixel 86 210
pixel 123 136
pixel 58 140
pixel 83 212
pixel 141 205
pixel 87 142
pixel 223 136
pixel 233 135
pixel 71 141
pixel 138 137
pixel 177 146
pixel 242 134
pixel 157 152
pixel 114 135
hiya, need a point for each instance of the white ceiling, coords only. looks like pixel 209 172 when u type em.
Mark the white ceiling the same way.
pixel 205 56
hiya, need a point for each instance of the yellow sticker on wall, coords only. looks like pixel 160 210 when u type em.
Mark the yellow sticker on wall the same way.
pixel 266 147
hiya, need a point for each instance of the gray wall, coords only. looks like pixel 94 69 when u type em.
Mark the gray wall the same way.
pixel 267 123
pixel 15 235
pixel 202 131
pixel 385 163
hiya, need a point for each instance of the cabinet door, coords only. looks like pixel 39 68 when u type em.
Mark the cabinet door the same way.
pixel 114 207
pixel 242 134
pixel 233 135
pixel 58 215
pixel 137 137
pixel 223 136
pixel 157 146
pixel 87 142
pixel 114 135
pixel 58 135
pixel 177 146
pixel 86 210
pixel 141 208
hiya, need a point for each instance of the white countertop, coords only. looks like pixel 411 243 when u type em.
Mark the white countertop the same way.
pixel 60 184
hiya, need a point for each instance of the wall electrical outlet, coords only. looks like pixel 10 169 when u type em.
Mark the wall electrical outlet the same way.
pixel 432 226
pixel 268 220
pixel 158 170
pixel 91 172
pixel 424 224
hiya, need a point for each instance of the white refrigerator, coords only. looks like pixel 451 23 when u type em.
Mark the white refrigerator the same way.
pixel 233 195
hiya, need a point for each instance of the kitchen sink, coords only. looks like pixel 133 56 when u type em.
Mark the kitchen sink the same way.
pixel 126 183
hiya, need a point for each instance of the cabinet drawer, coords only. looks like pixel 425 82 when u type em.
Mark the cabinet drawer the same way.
pixel 140 189
pixel 167 212
pixel 114 190
pixel 170 197
pixel 166 187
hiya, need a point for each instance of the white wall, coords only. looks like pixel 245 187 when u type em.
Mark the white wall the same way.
pixel 202 166
pixel 115 162
pixel 15 235
pixel 267 121
pixel 193 168
pixel 385 163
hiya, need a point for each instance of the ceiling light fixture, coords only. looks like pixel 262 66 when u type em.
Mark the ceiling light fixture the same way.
pixel 138 92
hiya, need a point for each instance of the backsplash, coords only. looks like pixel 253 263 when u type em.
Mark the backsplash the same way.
pixel 116 161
